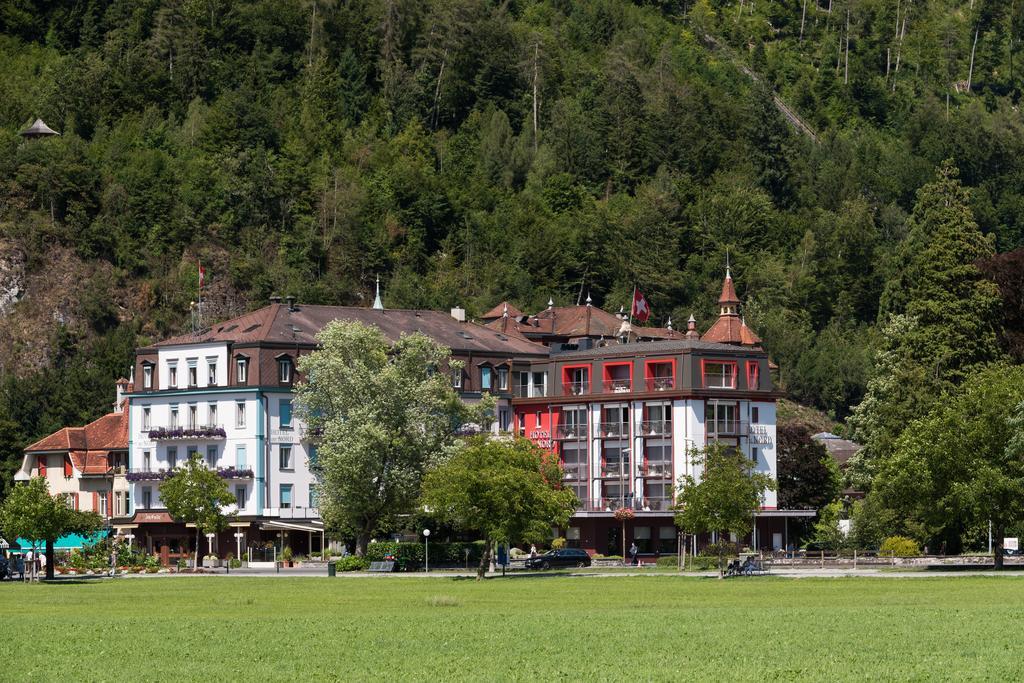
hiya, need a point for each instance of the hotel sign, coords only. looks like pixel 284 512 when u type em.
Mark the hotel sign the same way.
pixel 760 435
pixel 282 436
pixel 152 518
pixel 541 437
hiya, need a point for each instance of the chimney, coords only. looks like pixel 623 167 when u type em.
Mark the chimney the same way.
pixel 121 386
pixel 459 313
pixel 275 299
pixel 291 303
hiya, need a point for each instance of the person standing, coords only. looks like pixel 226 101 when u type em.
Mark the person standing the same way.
pixel 633 552
pixel 533 550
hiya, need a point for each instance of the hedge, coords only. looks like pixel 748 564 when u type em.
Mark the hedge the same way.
pixel 409 556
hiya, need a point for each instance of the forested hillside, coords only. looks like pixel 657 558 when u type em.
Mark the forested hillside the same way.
pixel 471 151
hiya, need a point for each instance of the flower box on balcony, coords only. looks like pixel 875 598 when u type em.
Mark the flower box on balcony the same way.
pixel 161 433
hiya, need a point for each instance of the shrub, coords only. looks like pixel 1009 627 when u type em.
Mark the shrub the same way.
pixel 409 556
pixel 899 546
pixel 286 554
pixel 668 561
pixel 234 564
pixel 351 563
pixel 558 543
pixel 701 563
pixel 182 564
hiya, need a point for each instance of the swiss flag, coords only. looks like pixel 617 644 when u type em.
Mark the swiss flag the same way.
pixel 202 275
pixel 641 311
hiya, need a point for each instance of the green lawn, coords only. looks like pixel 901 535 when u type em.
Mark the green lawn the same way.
pixel 541 628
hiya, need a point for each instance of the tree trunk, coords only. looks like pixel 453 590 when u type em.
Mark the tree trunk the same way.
pixel 803 17
pixel 721 561
pixel 49 559
pixel 195 566
pixel 485 558
pixel 997 546
pixel 970 72
pixel 362 541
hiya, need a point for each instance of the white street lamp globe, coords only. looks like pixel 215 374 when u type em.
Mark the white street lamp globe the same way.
pixel 426 532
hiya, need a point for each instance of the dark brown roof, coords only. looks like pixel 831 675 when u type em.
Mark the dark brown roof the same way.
pixel 574 321
pixel 277 323
pixel 500 310
pixel 730 329
pixel 840 449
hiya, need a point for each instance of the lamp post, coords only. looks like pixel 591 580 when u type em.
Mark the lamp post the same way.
pixel 426 550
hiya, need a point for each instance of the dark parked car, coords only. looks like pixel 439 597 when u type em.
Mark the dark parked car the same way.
pixel 565 557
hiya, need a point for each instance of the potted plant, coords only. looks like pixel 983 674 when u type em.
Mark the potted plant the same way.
pixel 211 562
pixel 286 556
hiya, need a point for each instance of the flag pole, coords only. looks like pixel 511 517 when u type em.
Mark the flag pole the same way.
pixel 632 305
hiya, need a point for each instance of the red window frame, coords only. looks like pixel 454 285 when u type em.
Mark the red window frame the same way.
pixel 606 376
pixel 648 376
pixel 41 465
pixel 753 375
pixel 703 371
pixel 68 471
pixel 582 366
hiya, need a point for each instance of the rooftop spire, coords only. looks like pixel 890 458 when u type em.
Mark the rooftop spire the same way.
pixel 378 305
pixel 589 300
pixel 691 328
pixel 551 303
pixel 504 311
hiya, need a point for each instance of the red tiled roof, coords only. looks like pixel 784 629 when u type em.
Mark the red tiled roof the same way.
pixel 499 311
pixel 88 446
pixel 730 329
pixel 728 295
pixel 576 321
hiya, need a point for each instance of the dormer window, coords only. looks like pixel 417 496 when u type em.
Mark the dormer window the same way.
pixel 456 378
pixel 172 375
pixel 242 370
pixel 211 372
pixel 147 376
pixel 752 374
pixel 503 379
pixel 284 370
pixel 485 379
pixel 719 374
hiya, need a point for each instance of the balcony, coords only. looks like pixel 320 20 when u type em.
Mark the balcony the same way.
pixel 661 383
pixel 571 431
pixel 716 428
pixel 574 472
pixel 293 513
pixel 575 388
pixel 615 470
pixel 656 428
pixel 618 386
pixel 658 470
pixel 204 432
pixel 149 474
pixel 613 503
pixel 529 391
pixel 613 430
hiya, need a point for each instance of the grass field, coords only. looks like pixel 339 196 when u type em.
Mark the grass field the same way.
pixel 538 628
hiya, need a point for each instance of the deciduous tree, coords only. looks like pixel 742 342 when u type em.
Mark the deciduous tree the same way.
pixel 198 495
pixel 503 490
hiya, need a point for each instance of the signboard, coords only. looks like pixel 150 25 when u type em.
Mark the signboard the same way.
pixel 282 436
pixel 1011 543
pixel 541 437
pixel 153 518
pixel 760 435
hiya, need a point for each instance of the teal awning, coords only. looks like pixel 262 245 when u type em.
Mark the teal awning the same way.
pixel 64 543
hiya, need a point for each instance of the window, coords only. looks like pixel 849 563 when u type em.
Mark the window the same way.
pixel 504 419
pixel 211 456
pixel 102 504
pixel 147 498
pixel 242 370
pixel 755 415
pixel 193 416
pixel 657 420
pixel 68 469
pixel 667 538
pixel 120 504
pixel 615 422
pixel 211 372
pixel 193 372
pixel 754 454
pixel 286 496
pixel 285 457
pixel 147 463
pixel 313 498
pixel 312 455
pixel 240 496
pixel 575 380
pixel 485 379
pixel 211 415
pixel 572 537
pixel 240 459
pixel 502 379
pixel 618 377
pixel 457 378
pixel 172 375
pixel 642 538
pixel 752 373
pixel 147 419
pixel 722 419
pixel 240 414
pixel 540 384
pixel 147 376
pixel 174 417
pixel 719 375
pixel 284 370
pixel 285 407
pixel 172 457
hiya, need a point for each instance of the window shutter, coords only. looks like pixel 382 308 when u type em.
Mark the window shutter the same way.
pixel 41 464
pixel 68 472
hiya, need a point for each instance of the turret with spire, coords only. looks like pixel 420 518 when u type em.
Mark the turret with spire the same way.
pixel 378 305
pixel 729 328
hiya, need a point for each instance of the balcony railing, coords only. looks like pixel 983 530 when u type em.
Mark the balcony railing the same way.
pixel 613 503
pixel 615 469
pixel 150 474
pixel 185 433
pixel 613 430
pixel 293 512
pixel 658 470
pixel 574 472
pixel 575 388
pixel 529 391
pixel 617 386
pixel 661 383
pixel 571 431
pixel 725 428
pixel 656 428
